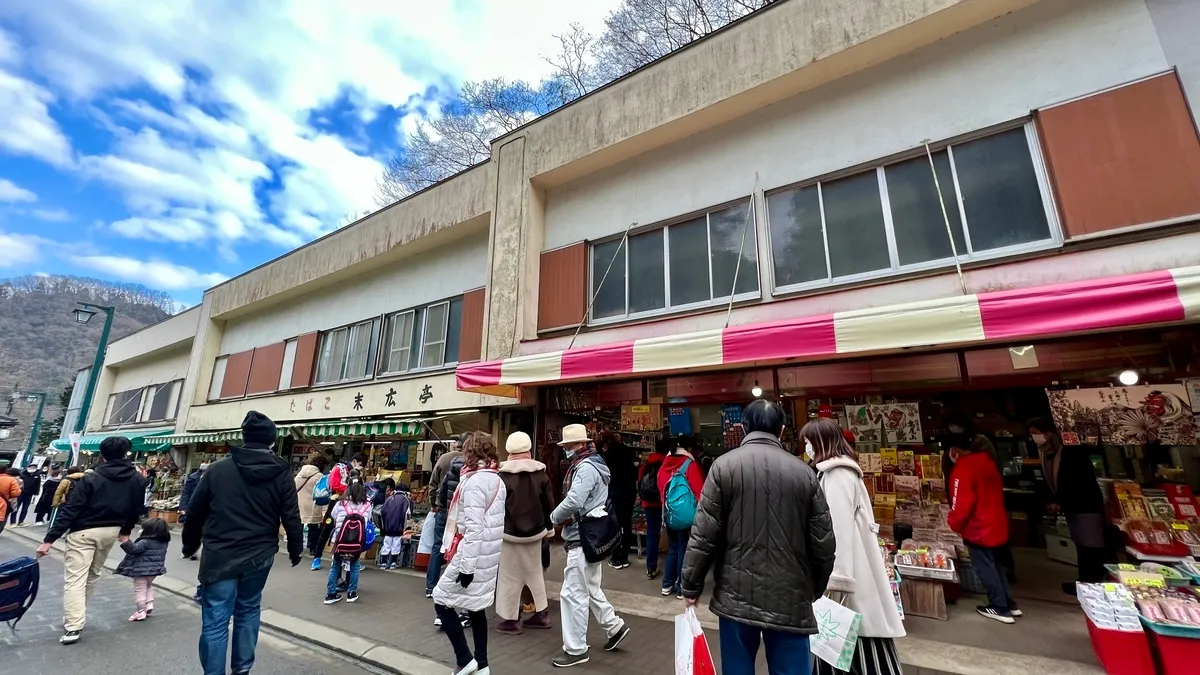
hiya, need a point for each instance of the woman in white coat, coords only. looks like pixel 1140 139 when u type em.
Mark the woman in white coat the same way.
pixel 859 580
pixel 474 534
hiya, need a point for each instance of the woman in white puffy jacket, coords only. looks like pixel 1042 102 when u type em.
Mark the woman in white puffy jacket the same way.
pixel 474 535
pixel 859 580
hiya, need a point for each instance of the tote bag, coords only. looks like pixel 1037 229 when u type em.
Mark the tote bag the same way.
pixel 692 656
pixel 837 633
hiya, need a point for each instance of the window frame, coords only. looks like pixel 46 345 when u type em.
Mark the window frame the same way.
pixel 425 334
pixel 417 335
pixel 751 243
pixel 374 325
pixel 112 408
pixel 1040 171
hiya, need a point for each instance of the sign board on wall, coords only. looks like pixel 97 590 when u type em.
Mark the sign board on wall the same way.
pixel 418 395
pixel 1124 415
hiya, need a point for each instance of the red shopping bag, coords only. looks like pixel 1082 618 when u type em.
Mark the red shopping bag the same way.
pixel 692 656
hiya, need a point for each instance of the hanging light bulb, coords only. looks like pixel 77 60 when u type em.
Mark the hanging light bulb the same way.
pixel 757 390
pixel 1128 377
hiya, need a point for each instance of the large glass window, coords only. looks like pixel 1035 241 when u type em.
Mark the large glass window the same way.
pixel 424 337
pixel 348 353
pixel 890 219
pixel 433 346
pixel 125 407
pixel 685 264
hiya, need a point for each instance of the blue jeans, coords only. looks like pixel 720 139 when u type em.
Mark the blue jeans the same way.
pixel 989 566
pixel 787 653
pixel 241 599
pixel 435 558
pixel 677 541
pixel 351 576
pixel 653 528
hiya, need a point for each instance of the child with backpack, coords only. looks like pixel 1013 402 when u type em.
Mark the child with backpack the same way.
pixel 393 517
pixel 680 482
pixel 144 560
pixel 651 496
pixel 351 517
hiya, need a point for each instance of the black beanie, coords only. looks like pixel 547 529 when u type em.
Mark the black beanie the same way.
pixel 258 431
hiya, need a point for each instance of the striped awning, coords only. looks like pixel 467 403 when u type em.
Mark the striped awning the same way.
pixel 142 440
pixel 1165 296
pixel 234 435
pixel 413 427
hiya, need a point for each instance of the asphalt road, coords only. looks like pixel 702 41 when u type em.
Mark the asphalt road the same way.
pixel 164 644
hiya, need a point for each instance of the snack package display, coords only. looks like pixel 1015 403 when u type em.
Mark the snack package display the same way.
pixel 1109 606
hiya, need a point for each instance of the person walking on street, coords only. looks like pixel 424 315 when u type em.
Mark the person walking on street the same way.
pixel 622 492
pixel 437 506
pixel 859 580
pixel 310 513
pixel 339 479
pixel 185 496
pixel 680 482
pixel 45 503
pixel 31 483
pixel 475 522
pixel 651 497
pixel 236 513
pixel 350 518
pixel 100 510
pixel 763 526
pixel 393 520
pixel 526 525
pixel 585 490
pixel 977 513
pixel 10 492
pixel 145 559
pixel 74 475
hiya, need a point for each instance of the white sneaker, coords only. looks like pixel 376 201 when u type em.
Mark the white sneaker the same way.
pixel 468 669
pixel 437 621
pixel 484 671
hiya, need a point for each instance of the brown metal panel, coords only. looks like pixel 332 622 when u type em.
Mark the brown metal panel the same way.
pixel 305 364
pixel 562 287
pixel 265 369
pixel 1124 157
pixel 237 374
pixel 470 340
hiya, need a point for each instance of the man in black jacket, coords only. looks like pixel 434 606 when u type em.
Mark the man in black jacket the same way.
pixel 100 510
pixel 763 525
pixel 236 512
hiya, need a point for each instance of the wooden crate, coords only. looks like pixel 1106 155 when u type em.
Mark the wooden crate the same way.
pixel 925 598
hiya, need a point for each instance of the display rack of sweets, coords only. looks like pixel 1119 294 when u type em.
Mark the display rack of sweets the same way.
pixel 1150 538
pixel 1130 503
pixel 1183 501
pixel 1187 534
pixel 1115 629
pixel 917 560
pixel 1158 504
pixel 1110 606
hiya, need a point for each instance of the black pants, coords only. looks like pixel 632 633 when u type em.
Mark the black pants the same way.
pixel 623 505
pixel 23 507
pixel 42 511
pixel 451 623
pixel 1091 563
pixel 313 532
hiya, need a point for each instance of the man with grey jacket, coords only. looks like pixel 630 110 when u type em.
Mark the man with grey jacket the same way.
pixel 763 525
pixel 585 489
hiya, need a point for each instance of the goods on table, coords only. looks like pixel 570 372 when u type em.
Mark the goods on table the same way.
pixel 925 562
pixel 1109 606
pixel 1154 537
pixel 1171 575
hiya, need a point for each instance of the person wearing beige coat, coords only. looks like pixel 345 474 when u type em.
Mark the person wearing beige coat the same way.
pixel 311 514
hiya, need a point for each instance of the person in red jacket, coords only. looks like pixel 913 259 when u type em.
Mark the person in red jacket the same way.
pixel 651 498
pixel 682 461
pixel 977 513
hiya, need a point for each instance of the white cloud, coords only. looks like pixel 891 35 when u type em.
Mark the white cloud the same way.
pixel 26 127
pixel 8 48
pixel 152 273
pixel 53 215
pixel 11 192
pixel 18 249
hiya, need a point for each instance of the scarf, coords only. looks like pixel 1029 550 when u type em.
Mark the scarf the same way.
pixel 452 513
pixel 578 458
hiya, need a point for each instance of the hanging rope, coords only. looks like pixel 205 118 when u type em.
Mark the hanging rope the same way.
pixel 741 247
pixel 946 217
pixel 620 247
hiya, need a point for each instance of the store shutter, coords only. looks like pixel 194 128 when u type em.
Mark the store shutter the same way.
pixel 265 369
pixel 562 287
pixel 1124 157
pixel 306 360
pixel 237 374
pixel 470 343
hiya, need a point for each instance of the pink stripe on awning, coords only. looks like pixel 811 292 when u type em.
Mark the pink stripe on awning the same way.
pixel 789 338
pixel 469 376
pixel 614 359
pixel 1085 305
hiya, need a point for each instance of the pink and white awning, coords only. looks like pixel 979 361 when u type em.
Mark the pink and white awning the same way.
pixel 1166 296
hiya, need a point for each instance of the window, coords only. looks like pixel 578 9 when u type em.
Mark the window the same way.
pixel 289 363
pixel 348 353
pixel 691 263
pixel 161 401
pixel 425 337
pixel 124 407
pixel 889 219
pixel 218 378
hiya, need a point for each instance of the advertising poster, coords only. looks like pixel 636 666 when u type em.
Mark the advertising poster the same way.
pixel 1124 415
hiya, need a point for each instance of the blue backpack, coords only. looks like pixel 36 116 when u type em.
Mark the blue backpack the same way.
pixel 679 502
pixel 321 492
pixel 18 589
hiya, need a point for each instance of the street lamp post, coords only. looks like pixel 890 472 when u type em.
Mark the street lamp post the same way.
pixel 31 446
pixel 83 314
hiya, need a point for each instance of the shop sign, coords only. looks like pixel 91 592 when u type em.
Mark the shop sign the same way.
pixel 1124 415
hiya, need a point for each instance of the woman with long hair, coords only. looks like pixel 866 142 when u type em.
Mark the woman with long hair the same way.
pixel 859 580
pixel 310 513
pixel 474 532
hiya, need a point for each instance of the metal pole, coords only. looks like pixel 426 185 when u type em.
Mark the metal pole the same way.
pixel 97 364
pixel 37 426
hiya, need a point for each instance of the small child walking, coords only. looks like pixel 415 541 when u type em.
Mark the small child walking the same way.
pixel 350 516
pixel 144 560
pixel 394 518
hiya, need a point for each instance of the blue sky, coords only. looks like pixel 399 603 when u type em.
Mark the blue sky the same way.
pixel 179 144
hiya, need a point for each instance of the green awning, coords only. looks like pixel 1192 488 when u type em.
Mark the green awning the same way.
pixel 143 440
pixel 413 427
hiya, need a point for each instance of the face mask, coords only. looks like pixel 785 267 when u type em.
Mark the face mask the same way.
pixel 808 450
pixel 1039 439
pixel 955 429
